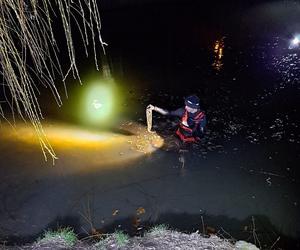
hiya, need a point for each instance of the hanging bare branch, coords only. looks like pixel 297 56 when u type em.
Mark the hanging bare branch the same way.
pixel 29 54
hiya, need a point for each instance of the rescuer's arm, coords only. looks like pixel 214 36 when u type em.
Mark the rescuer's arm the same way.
pixel 157 109
pixel 178 112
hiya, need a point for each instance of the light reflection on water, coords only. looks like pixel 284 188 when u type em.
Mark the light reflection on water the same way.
pixel 286 62
pixel 84 150
pixel 288 66
pixel 218 54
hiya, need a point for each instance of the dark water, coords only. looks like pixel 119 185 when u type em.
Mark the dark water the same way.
pixel 244 173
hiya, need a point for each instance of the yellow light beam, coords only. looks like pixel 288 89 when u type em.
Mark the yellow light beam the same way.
pixel 83 149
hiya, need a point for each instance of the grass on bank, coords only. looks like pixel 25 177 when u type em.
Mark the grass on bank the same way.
pixel 159 229
pixel 158 237
pixel 118 238
pixel 64 236
pixel 121 238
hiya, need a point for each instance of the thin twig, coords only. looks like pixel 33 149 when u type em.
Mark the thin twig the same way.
pixel 255 237
pixel 203 229
pixel 275 242
pixel 227 233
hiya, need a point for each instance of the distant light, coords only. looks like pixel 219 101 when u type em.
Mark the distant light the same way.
pixel 296 41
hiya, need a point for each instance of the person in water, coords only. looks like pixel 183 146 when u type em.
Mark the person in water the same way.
pixel 192 119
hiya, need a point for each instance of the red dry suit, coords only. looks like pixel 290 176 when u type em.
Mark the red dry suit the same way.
pixel 191 125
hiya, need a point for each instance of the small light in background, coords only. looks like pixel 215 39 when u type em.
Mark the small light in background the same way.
pixel 295 42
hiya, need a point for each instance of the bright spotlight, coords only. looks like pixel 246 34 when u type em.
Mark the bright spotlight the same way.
pixel 97 104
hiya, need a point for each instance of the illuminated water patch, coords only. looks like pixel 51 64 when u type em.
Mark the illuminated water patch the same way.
pixel 81 149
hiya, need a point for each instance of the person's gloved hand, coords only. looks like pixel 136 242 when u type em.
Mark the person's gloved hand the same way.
pixel 185 123
pixel 157 109
pixel 150 107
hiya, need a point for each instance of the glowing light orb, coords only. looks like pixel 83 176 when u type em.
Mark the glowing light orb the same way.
pixel 98 103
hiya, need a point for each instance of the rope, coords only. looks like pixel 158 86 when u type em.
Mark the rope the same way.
pixel 149 119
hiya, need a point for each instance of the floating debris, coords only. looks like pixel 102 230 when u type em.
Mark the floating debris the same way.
pixel 268 180
pixel 115 212
pixel 140 211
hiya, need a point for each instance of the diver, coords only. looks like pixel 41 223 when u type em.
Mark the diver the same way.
pixel 192 119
